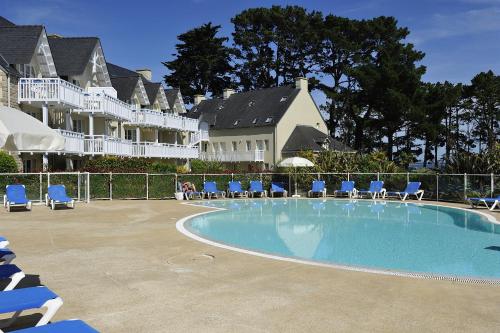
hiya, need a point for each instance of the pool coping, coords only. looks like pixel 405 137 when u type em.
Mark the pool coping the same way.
pixel 429 276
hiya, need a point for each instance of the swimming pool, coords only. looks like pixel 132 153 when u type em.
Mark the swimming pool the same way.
pixel 381 236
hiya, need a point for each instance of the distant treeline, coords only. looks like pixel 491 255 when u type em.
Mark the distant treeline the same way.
pixel 370 74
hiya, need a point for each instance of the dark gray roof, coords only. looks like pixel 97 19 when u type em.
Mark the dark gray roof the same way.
pixel 309 138
pixel 152 89
pixel 72 54
pixel 123 80
pixel 6 67
pixel 256 108
pixel 5 23
pixel 171 96
pixel 18 43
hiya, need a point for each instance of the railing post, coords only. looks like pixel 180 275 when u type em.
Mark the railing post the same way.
pixel 437 186
pixel 232 176
pixel 348 177
pixel 41 187
pixel 407 177
pixel 465 186
pixel 110 186
pixel 48 179
pixel 492 184
pixel 378 176
pixel 88 187
pixel 78 187
pixel 147 186
pixel 261 177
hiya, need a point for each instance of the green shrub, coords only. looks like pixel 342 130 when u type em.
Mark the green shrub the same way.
pixel 7 163
pixel 199 166
pixel 163 167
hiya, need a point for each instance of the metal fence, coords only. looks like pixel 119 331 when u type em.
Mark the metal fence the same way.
pixel 85 186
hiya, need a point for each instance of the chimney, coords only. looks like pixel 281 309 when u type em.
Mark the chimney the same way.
pixel 146 73
pixel 227 93
pixel 198 99
pixel 301 83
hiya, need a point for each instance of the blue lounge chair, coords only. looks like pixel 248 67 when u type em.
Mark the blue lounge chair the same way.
pixel 257 188
pixel 6 256
pixel 65 326
pixel 346 188
pixel 376 189
pixel 278 188
pixel 12 272
pixel 189 194
pixel 412 188
pixel 57 196
pixel 15 196
pixel 236 190
pixel 3 242
pixel 318 188
pixel 210 190
pixel 20 300
pixel 490 203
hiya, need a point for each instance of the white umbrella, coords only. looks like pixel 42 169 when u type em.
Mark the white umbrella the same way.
pixel 21 132
pixel 295 162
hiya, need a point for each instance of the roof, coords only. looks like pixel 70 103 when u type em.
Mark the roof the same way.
pixel 123 80
pixel 72 54
pixel 6 67
pixel 5 23
pixel 171 96
pixel 256 108
pixel 18 43
pixel 309 138
pixel 152 89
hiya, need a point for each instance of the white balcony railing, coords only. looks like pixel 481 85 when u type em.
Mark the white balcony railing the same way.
pixel 74 142
pixel 151 118
pixel 234 156
pixel 47 90
pixel 163 150
pixel 145 117
pixel 107 145
pixel 103 104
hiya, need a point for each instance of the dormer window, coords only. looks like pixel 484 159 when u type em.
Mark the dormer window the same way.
pixel 236 122
pixel 283 99
pixel 268 120
pixel 254 121
pixel 251 103
pixel 220 107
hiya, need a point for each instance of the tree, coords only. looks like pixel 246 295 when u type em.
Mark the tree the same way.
pixel 274 45
pixel 202 64
pixel 7 163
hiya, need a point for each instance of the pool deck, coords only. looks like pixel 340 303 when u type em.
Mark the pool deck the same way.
pixel 123 267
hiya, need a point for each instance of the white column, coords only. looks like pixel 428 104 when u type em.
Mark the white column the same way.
pixel 91 124
pixel 138 134
pixel 45 162
pixel 175 136
pixel 45 114
pixel 156 135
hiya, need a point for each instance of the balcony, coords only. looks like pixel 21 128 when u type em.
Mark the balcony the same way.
pixel 107 145
pixel 234 156
pixel 164 150
pixel 151 118
pixel 50 91
pixel 101 104
pixel 73 141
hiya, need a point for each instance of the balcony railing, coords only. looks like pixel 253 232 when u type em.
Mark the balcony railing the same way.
pixel 73 141
pixel 234 156
pixel 151 118
pixel 78 143
pixel 47 90
pixel 105 105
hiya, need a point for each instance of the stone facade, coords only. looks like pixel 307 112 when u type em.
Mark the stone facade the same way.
pixel 5 91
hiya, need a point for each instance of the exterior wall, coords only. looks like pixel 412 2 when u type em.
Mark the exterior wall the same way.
pixel 8 88
pixel 303 111
pixel 240 136
pixel 88 78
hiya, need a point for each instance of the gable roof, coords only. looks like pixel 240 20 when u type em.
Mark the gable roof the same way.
pixel 171 96
pixel 18 42
pixel 256 108
pixel 152 89
pixel 72 54
pixel 5 23
pixel 123 80
pixel 306 137
pixel 7 68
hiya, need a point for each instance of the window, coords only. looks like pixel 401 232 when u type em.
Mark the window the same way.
pixel 215 146
pixel 77 125
pixel 283 99
pixel 204 146
pixel 251 103
pixel 254 121
pixel 28 165
pixel 249 145
pixel 259 145
pixel 222 146
pixel 266 145
pixel 269 119
pixel 236 122
pixel 36 115
pixel 26 70
pixel 234 146
pixel 131 135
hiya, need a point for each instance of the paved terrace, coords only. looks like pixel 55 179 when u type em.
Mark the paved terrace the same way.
pixel 123 267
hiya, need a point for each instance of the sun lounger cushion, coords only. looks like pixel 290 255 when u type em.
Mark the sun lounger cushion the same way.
pixel 58 193
pixel 5 252
pixel 16 194
pixel 6 271
pixel 25 299
pixel 66 326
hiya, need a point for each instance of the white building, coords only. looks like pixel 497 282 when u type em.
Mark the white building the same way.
pixel 99 108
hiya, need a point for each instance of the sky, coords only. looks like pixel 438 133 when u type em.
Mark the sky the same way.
pixel 459 37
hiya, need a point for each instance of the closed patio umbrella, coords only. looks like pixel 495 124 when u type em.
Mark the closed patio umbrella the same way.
pixel 21 132
pixel 295 162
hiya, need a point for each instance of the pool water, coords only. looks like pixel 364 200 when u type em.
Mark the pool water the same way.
pixel 380 235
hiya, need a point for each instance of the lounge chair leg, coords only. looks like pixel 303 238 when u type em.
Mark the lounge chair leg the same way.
pixel 14 280
pixel 52 306
pixel 7 259
pixel 9 321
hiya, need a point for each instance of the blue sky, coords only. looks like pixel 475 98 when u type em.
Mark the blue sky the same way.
pixel 460 37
